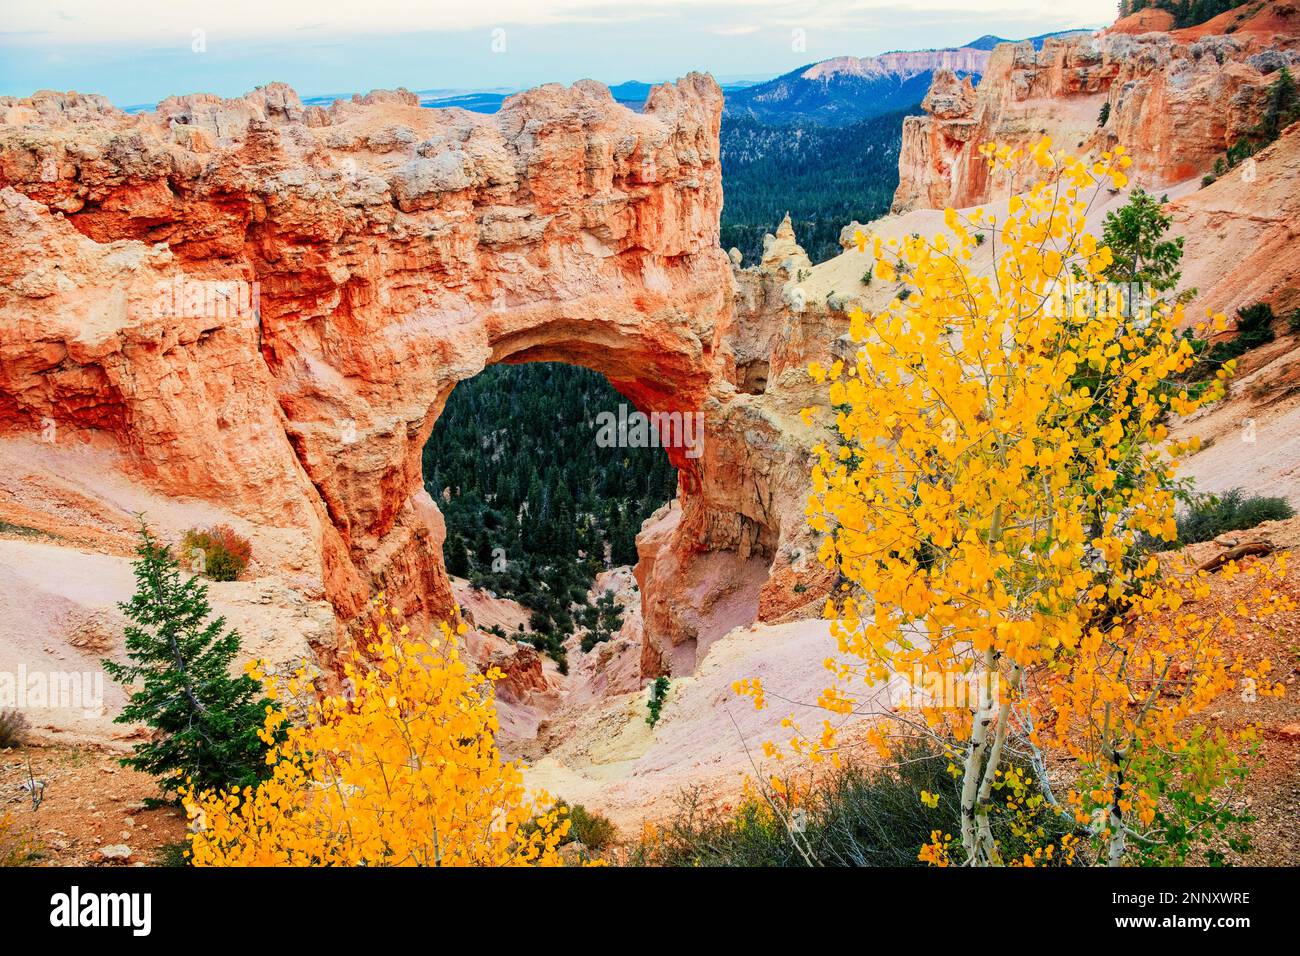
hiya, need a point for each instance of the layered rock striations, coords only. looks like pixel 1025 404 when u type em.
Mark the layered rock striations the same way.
pixel 901 65
pixel 847 89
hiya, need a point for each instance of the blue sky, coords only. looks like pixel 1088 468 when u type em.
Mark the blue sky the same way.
pixel 138 51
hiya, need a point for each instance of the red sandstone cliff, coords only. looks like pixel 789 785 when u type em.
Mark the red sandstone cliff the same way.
pixel 1177 101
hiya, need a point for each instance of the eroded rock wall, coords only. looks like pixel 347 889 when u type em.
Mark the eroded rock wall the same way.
pixel 739 549
pixel 1175 101
pixel 265 306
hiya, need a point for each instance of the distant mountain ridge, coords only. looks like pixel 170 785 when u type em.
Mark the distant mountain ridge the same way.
pixel 848 89
pixel 631 93
pixel 988 41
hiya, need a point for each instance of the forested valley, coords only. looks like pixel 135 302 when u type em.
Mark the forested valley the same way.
pixel 535 508
pixel 824 176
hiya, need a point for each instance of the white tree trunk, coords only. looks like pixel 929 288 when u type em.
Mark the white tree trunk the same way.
pixel 973 773
pixel 1118 841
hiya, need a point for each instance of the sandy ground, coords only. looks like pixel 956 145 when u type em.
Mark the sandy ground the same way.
pixel 1252 439
pixel 68 524
pixel 81 495
pixel 59 618
pixel 609 758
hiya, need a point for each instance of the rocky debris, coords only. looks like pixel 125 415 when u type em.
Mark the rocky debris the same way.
pixel 1236 553
pixel 94 631
pixel 522 667
pixel 114 853
pixel 574 853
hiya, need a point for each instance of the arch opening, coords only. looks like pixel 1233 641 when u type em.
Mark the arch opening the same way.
pixel 545 474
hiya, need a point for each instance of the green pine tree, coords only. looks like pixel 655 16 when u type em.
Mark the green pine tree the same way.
pixel 535 515
pixel 623 539
pixel 1283 105
pixel 457 556
pixel 562 522
pixel 601 620
pixel 206 723
pixel 483 551
pixel 1135 235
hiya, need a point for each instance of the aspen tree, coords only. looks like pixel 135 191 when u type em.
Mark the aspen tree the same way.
pixel 999 456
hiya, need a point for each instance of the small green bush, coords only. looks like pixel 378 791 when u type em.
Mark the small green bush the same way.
pixel 7 527
pixel 1254 328
pixel 591 829
pixel 549 643
pixel 857 816
pixel 601 620
pixel 225 553
pixel 1255 325
pixel 1214 515
pixel 173 854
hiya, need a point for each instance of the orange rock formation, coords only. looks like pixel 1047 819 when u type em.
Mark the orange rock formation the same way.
pixel 264 306
pixel 1177 101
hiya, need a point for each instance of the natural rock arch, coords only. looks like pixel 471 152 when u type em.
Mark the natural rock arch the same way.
pixel 266 306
